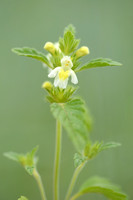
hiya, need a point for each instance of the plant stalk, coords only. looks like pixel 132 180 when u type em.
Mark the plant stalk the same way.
pixel 40 184
pixel 57 160
pixel 73 180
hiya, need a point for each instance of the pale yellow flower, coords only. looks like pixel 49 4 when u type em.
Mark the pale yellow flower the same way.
pixel 62 74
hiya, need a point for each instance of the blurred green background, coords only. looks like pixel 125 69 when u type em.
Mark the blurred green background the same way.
pixel 105 26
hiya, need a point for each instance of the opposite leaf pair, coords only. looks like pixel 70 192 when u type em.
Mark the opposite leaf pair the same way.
pixel 28 161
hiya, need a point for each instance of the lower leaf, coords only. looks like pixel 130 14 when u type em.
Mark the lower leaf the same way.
pixel 75 119
pixel 101 186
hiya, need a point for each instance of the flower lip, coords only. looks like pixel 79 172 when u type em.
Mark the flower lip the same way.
pixel 63 75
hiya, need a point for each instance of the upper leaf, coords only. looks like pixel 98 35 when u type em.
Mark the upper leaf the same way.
pixel 101 186
pixel 99 62
pixel 13 156
pixel 68 43
pixel 33 53
pixel 70 28
pixel 108 145
pixel 22 198
pixel 91 150
pixel 75 119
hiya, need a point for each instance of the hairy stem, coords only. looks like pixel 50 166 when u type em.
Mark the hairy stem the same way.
pixel 57 160
pixel 73 181
pixel 39 182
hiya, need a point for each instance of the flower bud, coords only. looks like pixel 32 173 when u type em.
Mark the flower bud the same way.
pixel 49 46
pixel 47 85
pixel 82 52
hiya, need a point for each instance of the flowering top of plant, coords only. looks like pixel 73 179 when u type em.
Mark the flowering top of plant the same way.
pixel 64 61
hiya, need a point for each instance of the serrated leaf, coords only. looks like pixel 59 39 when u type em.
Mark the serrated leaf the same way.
pixel 109 145
pixel 22 198
pixel 94 150
pixel 30 169
pixel 101 186
pixel 33 53
pixel 99 62
pixel 75 119
pixel 70 28
pixel 91 150
pixel 68 43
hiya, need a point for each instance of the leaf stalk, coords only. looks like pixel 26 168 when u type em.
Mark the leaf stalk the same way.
pixel 74 178
pixel 38 179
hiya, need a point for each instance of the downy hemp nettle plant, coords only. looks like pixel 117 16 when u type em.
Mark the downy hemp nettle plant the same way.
pixel 64 62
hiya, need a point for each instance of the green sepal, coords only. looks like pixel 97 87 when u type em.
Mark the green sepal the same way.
pixel 32 53
pixel 76 120
pixel 55 58
pixel 59 95
pixel 99 62
pixel 68 43
pixel 101 186
pixel 28 161
pixel 22 198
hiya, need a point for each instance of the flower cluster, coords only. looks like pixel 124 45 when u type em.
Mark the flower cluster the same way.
pixel 65 70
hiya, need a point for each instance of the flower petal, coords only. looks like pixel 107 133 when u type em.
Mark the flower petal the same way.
pixel 63 83
pixel 54 72
pixel 60 83
pixel 56 81
pixel 74 79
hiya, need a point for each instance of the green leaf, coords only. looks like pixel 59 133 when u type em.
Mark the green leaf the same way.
pixel 87 149
pixel 68 43
pixel 33 53
pixel 30 169
pixel 108 145
pixel 22 198
pixel 91 150
pixel 13 156
pixel 99 62
pixel 28 161
pixel 94 150
pixel 101 186
pixel 75 119
pixel 70 28
pixel 78 159
pixel 30 156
